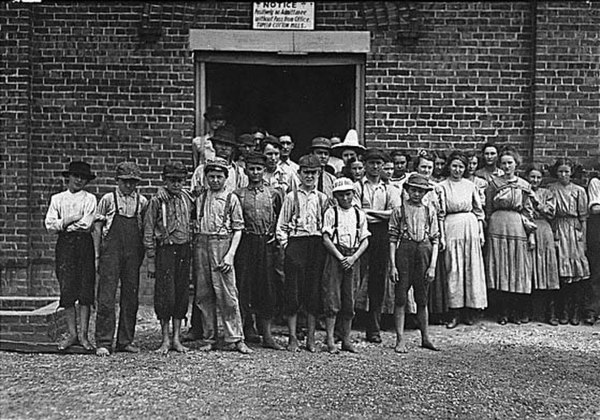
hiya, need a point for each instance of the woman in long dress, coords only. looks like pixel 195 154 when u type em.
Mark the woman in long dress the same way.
pixel 570 233
pixel 462 216
pixel 545 268
pixel 511 239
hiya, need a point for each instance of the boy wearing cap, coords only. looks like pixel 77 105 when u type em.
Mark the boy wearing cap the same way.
pixel 167 237
pixel 202 147
pixel 377 200
pixel 299 234
pixel 256 261
pixel 220 223
pixel 71 215
pixel 414 235
pixel 345 236
pixel 119 223
pixel 321 148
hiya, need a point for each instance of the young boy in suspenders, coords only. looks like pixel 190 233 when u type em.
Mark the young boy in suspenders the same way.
pixel 220 224
pixel 414 235
pixel 119 221
pixel 345 236
pixel 167 238
pixel 256 261
pixel 299 234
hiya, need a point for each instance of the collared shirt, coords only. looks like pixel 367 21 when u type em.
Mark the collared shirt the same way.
pixel 127 207
pixel 375 196
pixel 221 214
pixel 414 222
pixel 260 207
pixel 235 180
pixel 301 215
pixel 487 175
pixel 347 231
pixel 594 192
pixel 280 179
pixel 325 183
pixel 168 223
pixel 67 204
pixel 289 167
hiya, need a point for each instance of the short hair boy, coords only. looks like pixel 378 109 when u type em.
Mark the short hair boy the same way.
pixel 220 223
pixel 119 222
pixel 167 237
pixel 258 256
pixel 71 215
pixel 299 233
pixel 345 236
pixel 414 234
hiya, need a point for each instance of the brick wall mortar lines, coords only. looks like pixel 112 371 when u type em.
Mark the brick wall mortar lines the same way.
pixel 439 75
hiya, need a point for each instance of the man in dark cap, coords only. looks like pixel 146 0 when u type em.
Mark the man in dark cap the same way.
pixel 321 148
pixel 202 148
pixel 119 223
pixel 71 215
pixel 257 259
pixel 377 200
pixel 245 145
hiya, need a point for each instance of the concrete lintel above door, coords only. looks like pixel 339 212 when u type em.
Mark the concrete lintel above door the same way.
pixel 292 42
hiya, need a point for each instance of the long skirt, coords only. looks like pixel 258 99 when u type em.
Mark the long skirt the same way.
pixel 545 266
pixel 438 289
pixel 465 273
pixel 573 265
pixel 593 252
pixel 509 265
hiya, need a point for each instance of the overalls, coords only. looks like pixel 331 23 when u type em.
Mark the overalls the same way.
pixel 121 256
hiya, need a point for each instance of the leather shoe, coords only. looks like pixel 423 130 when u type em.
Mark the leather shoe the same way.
pixel 452 323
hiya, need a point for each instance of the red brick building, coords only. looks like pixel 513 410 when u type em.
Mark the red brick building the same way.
pixel 105 82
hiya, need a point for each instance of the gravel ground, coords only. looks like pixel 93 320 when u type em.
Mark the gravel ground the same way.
pixel 484 371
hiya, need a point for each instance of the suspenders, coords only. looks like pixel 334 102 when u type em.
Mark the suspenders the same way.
pixel 137 204
pixel 335 235
pixel 405 225
pixel 200 210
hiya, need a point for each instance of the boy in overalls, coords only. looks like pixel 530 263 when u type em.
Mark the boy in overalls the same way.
pixel 345 236
pixel 414 235
pixel 119 221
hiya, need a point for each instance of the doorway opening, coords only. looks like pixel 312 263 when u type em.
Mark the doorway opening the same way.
pixel 303 101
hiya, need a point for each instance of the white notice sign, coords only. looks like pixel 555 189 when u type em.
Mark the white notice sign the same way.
pixel 281 15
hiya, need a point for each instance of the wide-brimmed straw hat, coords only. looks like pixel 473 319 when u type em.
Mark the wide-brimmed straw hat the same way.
pixel 350 142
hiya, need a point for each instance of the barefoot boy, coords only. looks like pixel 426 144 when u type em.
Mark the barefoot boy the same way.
pixel 345 236
pixel 220 223
pixel 259 283
pixel 414 235
pixel 167 236
pixel 299 233
pixel 71 215
pixel 119 220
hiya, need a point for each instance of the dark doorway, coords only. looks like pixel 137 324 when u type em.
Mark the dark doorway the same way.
pixel 304 101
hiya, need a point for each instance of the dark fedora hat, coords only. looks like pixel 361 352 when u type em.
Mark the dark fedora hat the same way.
pixel 216 112
pixel 80 168
pixel 224 135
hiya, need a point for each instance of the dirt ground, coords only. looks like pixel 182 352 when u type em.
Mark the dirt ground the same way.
pixel 484 371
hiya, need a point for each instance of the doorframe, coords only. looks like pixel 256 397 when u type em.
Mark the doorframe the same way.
pixel 279 59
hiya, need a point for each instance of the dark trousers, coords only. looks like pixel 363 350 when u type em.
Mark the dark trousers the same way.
pixel 121 257
pixel 75 268
pixel 171 286
pixel 304 260
pixel 378 263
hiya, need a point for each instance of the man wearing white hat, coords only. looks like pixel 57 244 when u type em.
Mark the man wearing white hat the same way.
pixel 349 148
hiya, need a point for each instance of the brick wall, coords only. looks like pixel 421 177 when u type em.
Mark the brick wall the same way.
pixel 106 82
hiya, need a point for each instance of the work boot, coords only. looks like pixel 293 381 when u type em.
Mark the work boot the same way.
pixel 575 319
pixel 453 319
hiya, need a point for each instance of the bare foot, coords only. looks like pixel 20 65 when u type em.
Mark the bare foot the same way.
pixel 332 348
pixel 68 342
pixel 348 346
pixel 293 345
pixel 401 347
pixel 102 352
pixel 269 343
pixel 311 347
pixel 426 344
pixel 241 347
pixel 178 347
pixel 86 344
pixel 164 348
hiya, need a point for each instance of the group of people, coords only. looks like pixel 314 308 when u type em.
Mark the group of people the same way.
pixel 345 228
